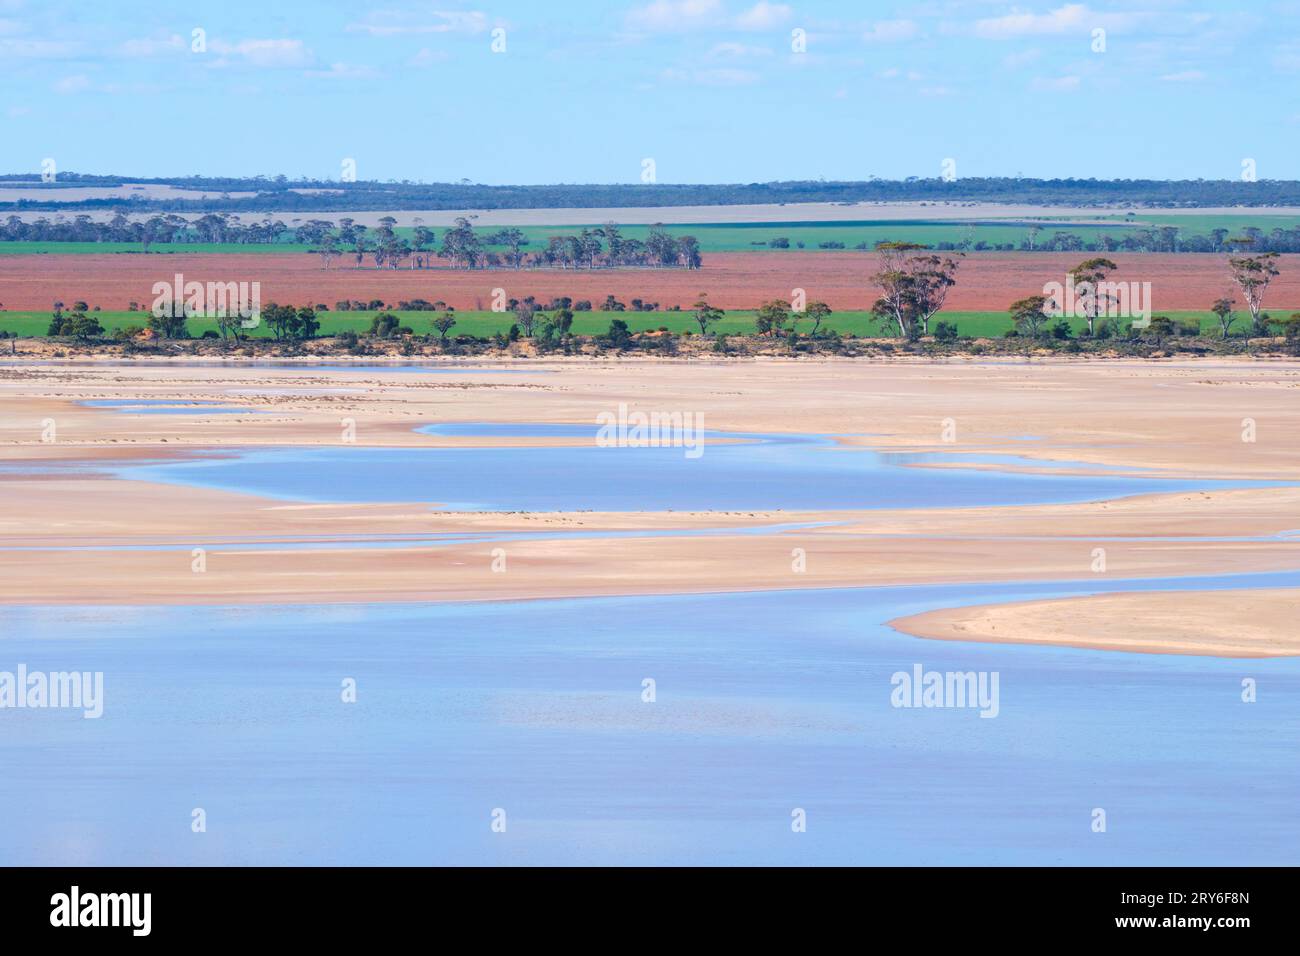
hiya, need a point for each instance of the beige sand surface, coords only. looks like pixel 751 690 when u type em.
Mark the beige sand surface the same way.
pixel 1247 623
pixel 1185 418
pixel 1180 419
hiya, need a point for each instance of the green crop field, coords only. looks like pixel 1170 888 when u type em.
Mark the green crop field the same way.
pixel 1193 224
pixel 744 237
pixel 974 324
pixel 748 237
pixel 24 248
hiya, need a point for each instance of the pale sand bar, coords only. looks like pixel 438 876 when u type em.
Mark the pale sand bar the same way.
pixel 1245 623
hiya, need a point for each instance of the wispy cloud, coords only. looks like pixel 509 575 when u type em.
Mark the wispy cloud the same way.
pixel 1055 84
pixel 894 73
pixel 1072 16
pixel 1287 60
pixel 153 46
pixel 344 71
pixel 1014 61
pixel 427 58
pixel 77 83
pixel 387 23
pixel 688 16
pixel 763 16
pixel 890 31
pixel 737 51
pixel 675 16
pixel 1186 76
pixel 720 76
pixel 22 48
pixel 263 53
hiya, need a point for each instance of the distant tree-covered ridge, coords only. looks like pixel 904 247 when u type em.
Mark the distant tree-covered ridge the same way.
pixel 460 246
pixel 607 245
pixel 280 193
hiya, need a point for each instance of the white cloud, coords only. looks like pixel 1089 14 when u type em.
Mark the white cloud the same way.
pixel 386 23
pixel 737 51
pixel 686 16
pixel 37 49
pixel 890 31
pixel 1287 61
pixel 15 44
pixel 1072 16
pixel 1186 76
pixel 427 57
pixel 675 16
pixel 715 77
pixel 1058 84
pixel 344 71
pixel 1013 61
pixel 726 77
pixel 72 84
pixel 153 46
pixel 264 53
pixel 763 16
pixel 894 73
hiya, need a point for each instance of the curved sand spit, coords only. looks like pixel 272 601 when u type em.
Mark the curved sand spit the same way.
pixel 1246 623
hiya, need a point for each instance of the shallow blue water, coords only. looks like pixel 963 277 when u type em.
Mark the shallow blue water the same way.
pixel 411 369
pixel 766 702
pixel 436 539
pixel 167 406
pixel 759 472
pixel 146 402
pixel 395 366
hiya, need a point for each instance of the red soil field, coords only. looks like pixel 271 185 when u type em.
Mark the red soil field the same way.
pixel 985 282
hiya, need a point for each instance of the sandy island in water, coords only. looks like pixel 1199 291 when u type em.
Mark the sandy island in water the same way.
pixel 1248 623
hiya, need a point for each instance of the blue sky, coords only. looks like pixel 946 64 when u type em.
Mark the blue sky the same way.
pixel 711 90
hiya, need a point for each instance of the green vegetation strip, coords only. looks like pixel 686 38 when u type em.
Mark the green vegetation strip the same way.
pixel 746 237
pixel 483 324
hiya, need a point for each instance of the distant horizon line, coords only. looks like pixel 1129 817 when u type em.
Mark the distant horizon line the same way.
pixel 281 179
